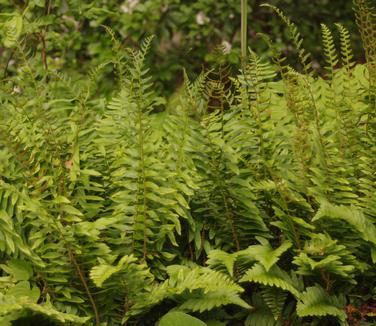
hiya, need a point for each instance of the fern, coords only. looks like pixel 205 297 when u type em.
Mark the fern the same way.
pixel 12 30
pixel 294 34
pixel 352 216
pixel 141 191
pixel 329 49
pixel 346 49
pixel 322 255
pixel 193 289
pixel 275 299
pixel 274 277
pixel 365 14
pixel 117 206
pixel 261 315
pixel 218 258
pixel 316 302
pixel 13 309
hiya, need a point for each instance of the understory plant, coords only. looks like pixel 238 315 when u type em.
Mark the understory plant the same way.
pixel 69 34
pixel 246 199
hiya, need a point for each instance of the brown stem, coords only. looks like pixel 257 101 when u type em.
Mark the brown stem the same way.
pixel 190 250
pixel 230 220
pixel 326 278
pixel 47 6
pixel 86 287
pixel 44 51
pixel 7 64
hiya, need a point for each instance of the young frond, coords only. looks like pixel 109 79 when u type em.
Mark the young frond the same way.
pixel 296 38
pixel 329 49
pixel 347 56
pixel 12 30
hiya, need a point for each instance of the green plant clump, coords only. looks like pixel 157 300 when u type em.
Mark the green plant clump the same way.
pixel 70 34
pixel 245 199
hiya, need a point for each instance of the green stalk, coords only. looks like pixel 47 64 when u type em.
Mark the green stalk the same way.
pixel 243 31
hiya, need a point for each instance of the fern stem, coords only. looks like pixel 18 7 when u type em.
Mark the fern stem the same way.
pixel 142 175
pixel 86 287
pixel 244 30
pixel 8 62
pixel 230 217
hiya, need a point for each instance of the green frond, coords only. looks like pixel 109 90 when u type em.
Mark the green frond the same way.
pixel 316 302
pixel 218 258
pixel 12 30
pixel 347 56
pixel 265 254
pixel 275 277
pixel 218 89
pixel 206 288
pixel 352 216
pixel 296 38
pixel 261 314
pixel 275 299
pixel 100 273
pixel 329 49
pixel 13 309
pixel 144 188
pixel 19 299
pixel 366 19
pixel 323 256
pixel 195 289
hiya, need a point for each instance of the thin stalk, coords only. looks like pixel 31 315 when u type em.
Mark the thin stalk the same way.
pixel 243 31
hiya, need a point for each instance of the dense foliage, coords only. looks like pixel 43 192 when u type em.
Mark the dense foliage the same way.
pixel 71 35
pixel 243 200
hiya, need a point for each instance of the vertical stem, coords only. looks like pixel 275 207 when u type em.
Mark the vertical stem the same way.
pixel 243 31
pixel 86 287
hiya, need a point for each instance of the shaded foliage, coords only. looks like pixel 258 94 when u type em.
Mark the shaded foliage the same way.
pixel 258 209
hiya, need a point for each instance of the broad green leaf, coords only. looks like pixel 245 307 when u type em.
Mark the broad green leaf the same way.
pixel 19 269
pixel 177 318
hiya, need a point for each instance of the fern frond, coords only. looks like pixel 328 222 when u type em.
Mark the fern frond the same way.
pixel 196 289
pixel 261 314
pixel 265 254
pixel 13 309
pixel 329 49
pixel 366 20
pixel 305 58
pixel 275 299
pixel 12 30
pixel 274 277
pixel 316 302
pixel 206 287
pixel 322 255
pixel 218 258
pixel 347 56
pixel 353 217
